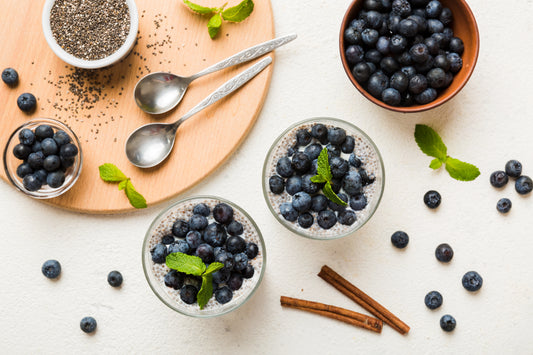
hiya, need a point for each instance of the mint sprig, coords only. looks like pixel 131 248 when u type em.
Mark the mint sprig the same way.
pixel 236 13
pixel 431 144
pixel 193 265
pixel 323 175
pixel 110 173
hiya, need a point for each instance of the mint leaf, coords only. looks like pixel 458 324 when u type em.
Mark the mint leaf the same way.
pixel 323 165
pixel 213 267
pixel 435 164
pixel 136 199
pixel 318 179
pixel 213 26
pixel 430 142
pixel 460 170
pixel 122 184
pixel 331 195
pixel 240 12
pixel 199 9
pixel 206 291
pixel 110 173
pixel 188 264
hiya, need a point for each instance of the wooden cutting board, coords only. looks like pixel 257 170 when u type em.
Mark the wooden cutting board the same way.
pixel 99 106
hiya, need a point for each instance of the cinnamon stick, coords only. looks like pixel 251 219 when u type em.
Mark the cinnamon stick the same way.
pixel 362 299
pixel 341 314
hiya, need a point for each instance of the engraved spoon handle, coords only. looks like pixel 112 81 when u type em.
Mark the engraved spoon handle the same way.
pixel 245 55
pixel 226 89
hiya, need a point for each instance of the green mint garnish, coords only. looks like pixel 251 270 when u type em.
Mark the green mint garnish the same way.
pixel 323 175
pixel 193 265
pixel 431 144
pixel 110 173
pixel 236 13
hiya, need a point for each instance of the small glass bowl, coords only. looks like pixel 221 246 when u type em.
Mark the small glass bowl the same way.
pixel 11 162
pixel 279 149
pixel 162 225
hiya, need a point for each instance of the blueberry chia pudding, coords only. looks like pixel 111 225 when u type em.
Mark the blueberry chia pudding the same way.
pixel 216 231
pixel 305 207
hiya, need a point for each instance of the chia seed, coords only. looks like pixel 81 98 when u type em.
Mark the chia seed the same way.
pixel 90 29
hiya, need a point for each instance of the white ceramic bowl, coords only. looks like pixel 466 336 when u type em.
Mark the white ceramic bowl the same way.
pixel 91 64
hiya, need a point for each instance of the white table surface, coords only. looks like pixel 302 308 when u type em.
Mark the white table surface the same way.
pixel 487 124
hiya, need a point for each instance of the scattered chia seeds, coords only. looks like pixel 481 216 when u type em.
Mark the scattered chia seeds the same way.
pixel 90 29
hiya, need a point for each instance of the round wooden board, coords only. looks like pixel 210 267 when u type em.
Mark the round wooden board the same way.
pixel 99 106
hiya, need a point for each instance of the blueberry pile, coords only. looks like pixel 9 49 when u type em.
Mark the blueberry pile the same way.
pixel 523 184
pixel 403 52
pixel 218 241
pixel 46 156
pixel 295 169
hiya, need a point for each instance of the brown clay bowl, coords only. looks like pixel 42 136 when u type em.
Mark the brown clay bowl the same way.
pixel 464 26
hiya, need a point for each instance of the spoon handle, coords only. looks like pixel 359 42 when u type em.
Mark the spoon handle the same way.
pixel 227 88
pixel 245 55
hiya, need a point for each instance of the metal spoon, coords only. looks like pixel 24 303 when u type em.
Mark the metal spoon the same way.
pixel 160 92
pixel 150 144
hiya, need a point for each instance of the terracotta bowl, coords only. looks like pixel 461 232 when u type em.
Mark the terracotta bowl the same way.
pixel 464 26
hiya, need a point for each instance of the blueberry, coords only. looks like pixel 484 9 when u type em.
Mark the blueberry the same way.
pixel 188 294
pixel 248 273
pixel 499 178
pixel 235 228
pixel 399 239
pixel 41 174
pixel 352 36
pixel 389 65
pixel 221 276
pixel 409 71
pixel 23 170
pixel 358 25
pixel 444 253
pixel 472 281
pixel 320 132
pixel 194 238
pixel 49 146
pixel 447 323
pixel 432 199
pixel 433 9
pixel 446 16
pixel 195 281
pixel 303 137
pixel 361 72
pixel 21 151
pixel 36 160
pixel 88 324
pixel 383 45
pixel 419 52
pixel 326 219
pixel 354 161
pixel 408 28
pixel 61 137
pixel 354 54
pixel 223 213
pixel 44 131
pixel 293 185
pixel 504 205
pixel 333 150
pixel 338 208
pixel 114 278
pixel 336 185
pixel 26 136
pixel 456 63
pixel 352 183
pixel 436 78
pixel 180 228
pixel 215 234
pixel 339 167
pixel 68 150
pixel 235 281
pixel 398 44
pixel 377 83
pixel 348 146
pixel 346 217
pixel 313 151
pixel 513 168
pixel 51 163
pixel 26 102
pixel 373 56
pixel 432 45
pixel 391 97
pixel 10 76
pixel 301 163
pixel 404 59
pixel 308 186
pixel 252 250
pixel 336 135
pixel 226 259
pixel 435 26
pixel 426 96
pixel 358 202
pixel 433 300
pixel 55 179
pixel 306 220
pixel 401 7
pixel 197 222
pixel 301 202
pixel 365 178
pixel 398 82
pixel 223 295
pixel 288 212
pixel 31 182
pixel 394 23
pixel 235 244
pixel 523 185
pixel 159 253
pixel 370 5
pixel 241 261
pixel 67 162
pixel 369 37
pixel 441 62
pixel 374 19
pixel 441 40
pixel 201 209
pixel 276 184
pixel 319 203
pixel 172 279
pixel 179 246
pixel 51 269
pixel 206 253
pixel 36 146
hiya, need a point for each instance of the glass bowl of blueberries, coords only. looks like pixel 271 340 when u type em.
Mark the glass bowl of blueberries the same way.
pixel 43 158
pixel 306 201
pixel 409 55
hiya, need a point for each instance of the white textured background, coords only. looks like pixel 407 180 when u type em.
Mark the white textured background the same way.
pixel 488 123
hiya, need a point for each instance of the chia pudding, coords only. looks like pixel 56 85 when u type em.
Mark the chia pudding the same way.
pixel 155 273
pixel 370 164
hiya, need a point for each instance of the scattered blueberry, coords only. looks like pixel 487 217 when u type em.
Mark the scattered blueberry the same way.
pixel 235 228
pixel 252 250
pixel 399 239
pixel 303 137
pixel 188 294
pixel 472 281
pixel 346 217
pixel 114 278
pixel 248 273
pixel 504 205
pixel 320 132
pixel 235 244
pixel 499 178
pixel 301 202
pixel 223 295
pixel 88 324
pixel 51 269
pixel 444 253
pixel 447 323
pixel 348 146
pixel 288 212
pixel 159 253
pixel 432 199
pixel 276 184
pixel 433 300
pixel 235 281
pixel 352 183
pixel 326 219
pixel 10 76
pixel 306 220
pixel 284 167
pixel 523 185
pixel 513 168
pixel 27 102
